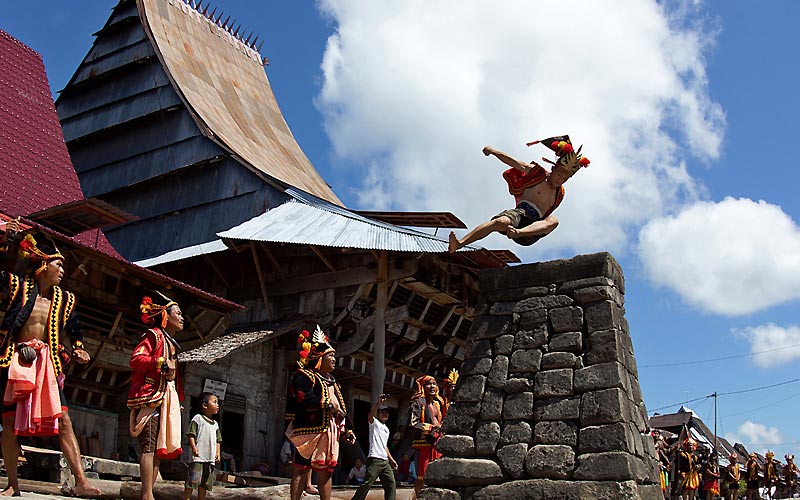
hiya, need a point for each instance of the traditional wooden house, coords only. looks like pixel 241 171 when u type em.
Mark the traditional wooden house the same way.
pixel 171 117
pixel 40 190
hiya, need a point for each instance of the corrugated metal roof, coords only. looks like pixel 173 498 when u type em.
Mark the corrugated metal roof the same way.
pixel 223 346
pixel 307 220
pixel 184 253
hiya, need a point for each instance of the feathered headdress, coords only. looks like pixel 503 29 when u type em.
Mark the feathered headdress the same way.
pixel 568 159
pixel 28 249
pixel 151 310
pixel 313 347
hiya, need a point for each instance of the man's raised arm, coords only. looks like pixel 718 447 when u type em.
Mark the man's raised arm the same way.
pixel 507 159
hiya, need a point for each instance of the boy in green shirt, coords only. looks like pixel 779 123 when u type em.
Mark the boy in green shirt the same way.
pixel 204 440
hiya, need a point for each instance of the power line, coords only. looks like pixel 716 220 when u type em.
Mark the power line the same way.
pixel 682 402
pixel 759 388
pixel 761 407
pixel 730 393
pixel 725 358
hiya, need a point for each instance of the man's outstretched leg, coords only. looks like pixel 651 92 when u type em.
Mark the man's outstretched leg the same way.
pixel 482 231
pixel 10 455
pixel 71 451
pixel 539 228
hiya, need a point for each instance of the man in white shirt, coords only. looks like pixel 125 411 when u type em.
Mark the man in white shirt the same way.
pixel 379 460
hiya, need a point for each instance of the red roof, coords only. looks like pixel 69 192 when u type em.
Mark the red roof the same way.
pixel 36 172
pixel 34 162
pixel 35 166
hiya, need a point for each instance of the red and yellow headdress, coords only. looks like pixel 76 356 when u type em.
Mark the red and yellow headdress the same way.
pixel 28 249
pixel 313 347
pixel 152 310
pixel 568 159
pixel 421 386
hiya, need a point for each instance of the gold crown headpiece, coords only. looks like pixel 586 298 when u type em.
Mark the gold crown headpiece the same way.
pixel 568 159
pixel 29 249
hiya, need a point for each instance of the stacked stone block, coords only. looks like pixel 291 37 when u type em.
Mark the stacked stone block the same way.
pixel 548 404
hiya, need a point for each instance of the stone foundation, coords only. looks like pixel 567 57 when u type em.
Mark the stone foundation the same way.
pixel 548 404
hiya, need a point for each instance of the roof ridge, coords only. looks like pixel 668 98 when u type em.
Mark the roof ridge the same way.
pixel 17 41
pixel 245 45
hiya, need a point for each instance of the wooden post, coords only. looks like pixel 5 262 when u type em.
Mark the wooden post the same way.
pixel 379 346
pixel 264 295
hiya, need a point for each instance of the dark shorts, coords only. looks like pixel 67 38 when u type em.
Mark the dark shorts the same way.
pixel 201 475
pixel 12 407
pixel 149 436
pixel 522 216
pixel 300 461
pixel 752 485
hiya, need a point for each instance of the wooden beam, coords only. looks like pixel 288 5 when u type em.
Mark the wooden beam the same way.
pixel 216 270
pixel 261 281
pixel 379 348
pixel 363 291
pixel 458 325
pixel 445 320
pixel 322 258
pixel 80 270
pixel 425 311
pixel 365 328
pixel 193 322
pixel 348 277
pixel 274 261
pixel 114 326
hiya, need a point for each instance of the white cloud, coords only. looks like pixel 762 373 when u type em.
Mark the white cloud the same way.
pixel 776 345
pixel 756 437
pixel 411 99
pixel 734 257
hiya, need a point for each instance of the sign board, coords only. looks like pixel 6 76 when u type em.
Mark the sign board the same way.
pixel 216 388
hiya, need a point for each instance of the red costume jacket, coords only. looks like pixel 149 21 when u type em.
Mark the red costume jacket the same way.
pixel 518 182
pixel 148 382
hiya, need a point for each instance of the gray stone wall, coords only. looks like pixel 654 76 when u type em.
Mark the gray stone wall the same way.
pixel 548 404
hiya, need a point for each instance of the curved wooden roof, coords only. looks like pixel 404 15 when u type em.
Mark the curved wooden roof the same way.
pixel 223 84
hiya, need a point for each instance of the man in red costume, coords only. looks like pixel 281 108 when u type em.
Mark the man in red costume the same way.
pixel 32 358
pixel 155 393
pixel 428 410
pixel 536 191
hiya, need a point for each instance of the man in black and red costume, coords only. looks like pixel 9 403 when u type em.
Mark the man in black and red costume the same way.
pixel 39 318
pixel 536 191
pixel 317 415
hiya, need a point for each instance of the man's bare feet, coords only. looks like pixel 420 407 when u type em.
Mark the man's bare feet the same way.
pixel 10 492
pixel 85 490
pixel 453 244
pixel 512 232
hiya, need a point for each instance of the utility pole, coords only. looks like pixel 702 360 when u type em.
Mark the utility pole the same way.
pixel 716 457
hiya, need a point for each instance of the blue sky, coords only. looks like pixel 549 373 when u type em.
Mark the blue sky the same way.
pixel 687 110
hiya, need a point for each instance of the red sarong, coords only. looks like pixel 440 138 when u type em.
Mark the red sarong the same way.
pixel 35 390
